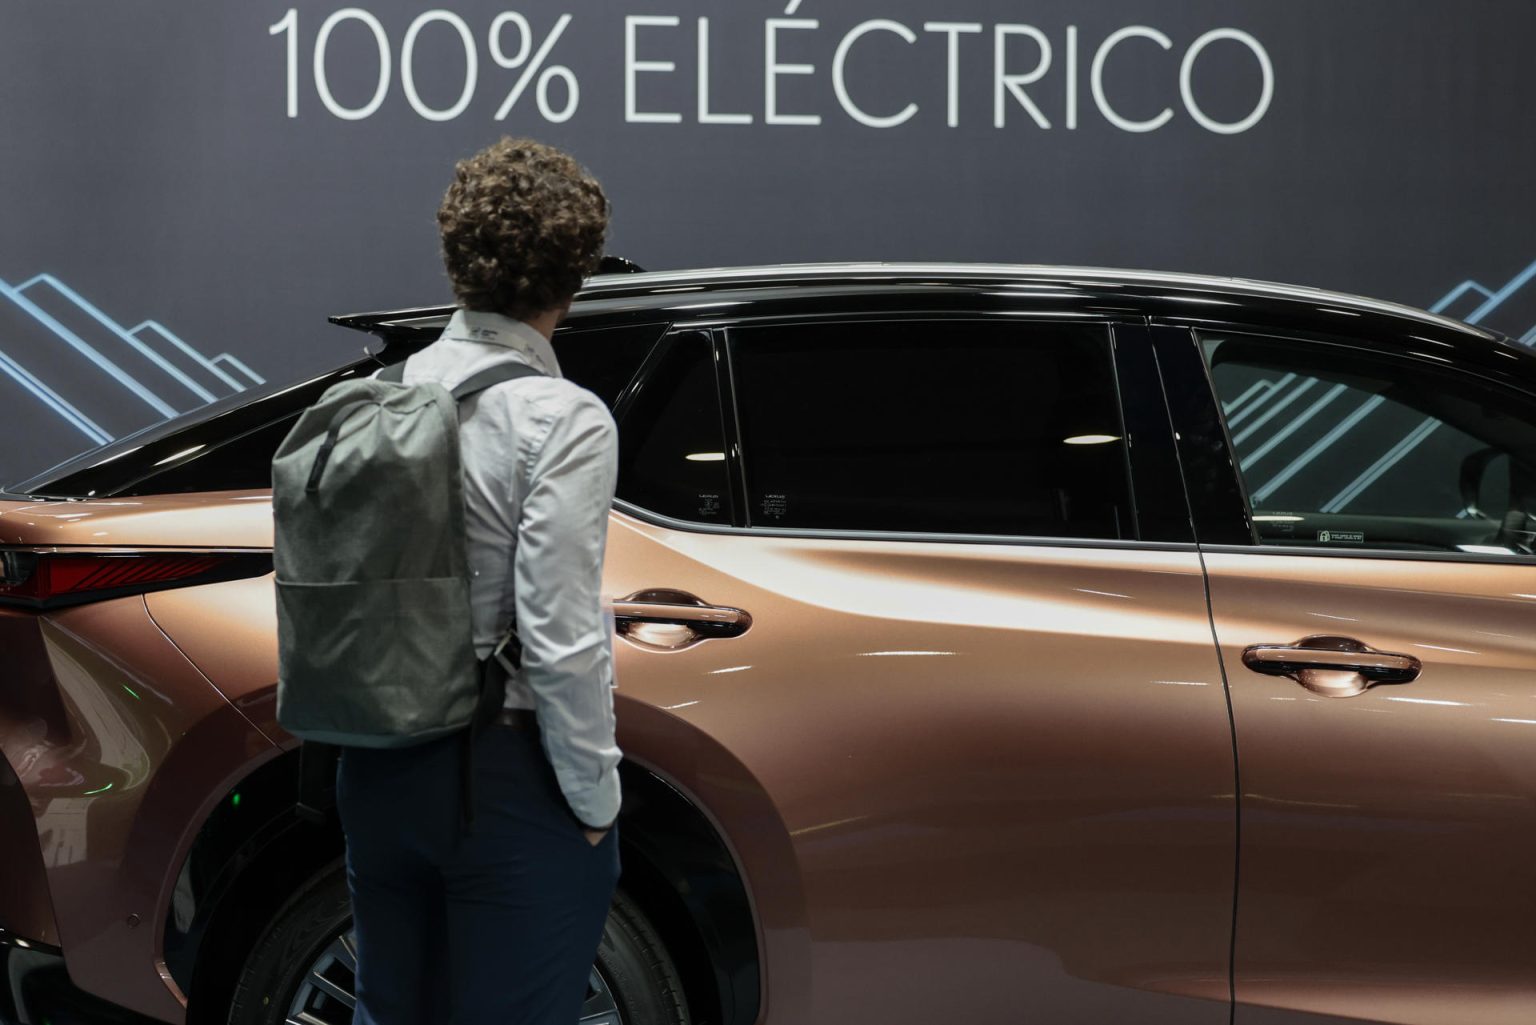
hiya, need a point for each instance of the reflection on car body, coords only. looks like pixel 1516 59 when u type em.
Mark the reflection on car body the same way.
pixel 1047 642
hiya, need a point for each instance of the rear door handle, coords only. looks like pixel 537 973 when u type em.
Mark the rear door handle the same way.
pixel 669 619
pixel 1335 667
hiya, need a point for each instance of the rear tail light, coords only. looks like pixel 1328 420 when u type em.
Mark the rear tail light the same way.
pixel 42 578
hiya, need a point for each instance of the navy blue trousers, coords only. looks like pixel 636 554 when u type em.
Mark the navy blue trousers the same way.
pixel 499 927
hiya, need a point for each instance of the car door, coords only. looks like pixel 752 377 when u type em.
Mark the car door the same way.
pixel 1376 628
pixel 932 585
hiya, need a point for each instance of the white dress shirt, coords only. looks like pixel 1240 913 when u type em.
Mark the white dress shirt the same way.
pixel 540 461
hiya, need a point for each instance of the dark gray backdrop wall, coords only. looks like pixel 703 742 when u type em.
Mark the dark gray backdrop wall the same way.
pixel 188 189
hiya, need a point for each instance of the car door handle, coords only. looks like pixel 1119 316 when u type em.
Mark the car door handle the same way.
pixel 669 619
pixel 1335 667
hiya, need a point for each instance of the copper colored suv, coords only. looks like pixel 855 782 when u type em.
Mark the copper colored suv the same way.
pixel 996 643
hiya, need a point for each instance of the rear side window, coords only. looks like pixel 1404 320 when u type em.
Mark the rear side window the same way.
pixel 1345 448
pixel 239 464
pixel 671 440
pixel 605 360
pixel 941 426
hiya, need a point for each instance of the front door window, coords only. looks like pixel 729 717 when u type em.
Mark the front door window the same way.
pixel 1343 448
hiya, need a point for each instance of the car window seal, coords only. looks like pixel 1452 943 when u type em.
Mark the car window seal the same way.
pixel 1397 554
pixel 831 534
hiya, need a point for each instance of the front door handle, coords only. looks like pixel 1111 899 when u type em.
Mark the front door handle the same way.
pixel 1335 667
pixel 666 619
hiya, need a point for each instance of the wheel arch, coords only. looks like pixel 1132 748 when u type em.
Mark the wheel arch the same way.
pixel 254 850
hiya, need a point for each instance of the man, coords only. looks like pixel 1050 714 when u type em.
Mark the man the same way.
pixel 501 925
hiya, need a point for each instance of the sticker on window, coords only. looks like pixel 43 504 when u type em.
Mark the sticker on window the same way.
pixel 774 506
pixel 1343 537
pixel 709 506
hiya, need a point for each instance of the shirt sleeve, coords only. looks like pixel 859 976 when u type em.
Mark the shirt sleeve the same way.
pixel 557 580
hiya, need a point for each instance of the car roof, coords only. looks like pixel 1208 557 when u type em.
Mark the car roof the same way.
pixel 664 286
pixel 1211 303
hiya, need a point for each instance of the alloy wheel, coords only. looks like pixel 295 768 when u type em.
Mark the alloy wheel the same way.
pixel 327 995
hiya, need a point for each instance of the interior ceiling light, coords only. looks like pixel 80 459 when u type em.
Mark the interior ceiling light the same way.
pixel 1091 439
pixel 705 457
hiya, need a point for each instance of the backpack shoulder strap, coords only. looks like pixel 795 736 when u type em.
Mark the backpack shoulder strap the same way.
pixel 494 375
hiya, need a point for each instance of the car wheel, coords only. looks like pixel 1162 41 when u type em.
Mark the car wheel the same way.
pixel 303 968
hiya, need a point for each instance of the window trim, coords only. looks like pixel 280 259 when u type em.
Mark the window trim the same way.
pixel 730 427
pixel 1162 504
pixel 832 534
pixel 659 328
pixel 660 350
pixel 1388 554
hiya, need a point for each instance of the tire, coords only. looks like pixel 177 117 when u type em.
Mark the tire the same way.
pixel 635 966
pixel 634 983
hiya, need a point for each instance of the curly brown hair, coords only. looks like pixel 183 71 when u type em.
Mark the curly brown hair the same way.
pixel 522 226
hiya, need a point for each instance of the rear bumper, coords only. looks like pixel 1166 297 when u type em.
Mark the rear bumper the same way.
pixel 25 908
pixel 35 990
pixel 114 749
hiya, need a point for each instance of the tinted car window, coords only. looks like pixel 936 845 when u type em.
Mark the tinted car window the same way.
pixel 237 465
pixel 604 361
pixel 228 445
pixel 942 426
pixel 671 444
pixel 1340 447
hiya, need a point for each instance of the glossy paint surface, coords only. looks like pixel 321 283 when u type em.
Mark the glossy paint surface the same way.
pixel 98 723
pixel 924 781
pixel 26 908
pixel 220 519
pixel 961 780
pixel 991 761
pixel 229 632
pixel 1387 837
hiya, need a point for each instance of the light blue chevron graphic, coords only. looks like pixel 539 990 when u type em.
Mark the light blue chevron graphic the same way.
pixel 1457 292
pixel 1491 300
pixel 211 365
pixel 53 400
pixel 166 388
pixel 1260 394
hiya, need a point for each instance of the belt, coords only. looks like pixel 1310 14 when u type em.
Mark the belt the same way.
pixel 518 718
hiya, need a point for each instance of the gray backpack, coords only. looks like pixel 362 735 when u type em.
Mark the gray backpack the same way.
pixel 371 559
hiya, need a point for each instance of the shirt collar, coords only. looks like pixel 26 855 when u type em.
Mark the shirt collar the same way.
pixel 498 329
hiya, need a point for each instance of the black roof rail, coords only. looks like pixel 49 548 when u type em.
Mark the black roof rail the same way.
pixel 400 321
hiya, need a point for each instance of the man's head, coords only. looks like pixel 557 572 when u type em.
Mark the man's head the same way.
pixel 522 226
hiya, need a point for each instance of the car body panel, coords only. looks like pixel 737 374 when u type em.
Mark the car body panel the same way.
pixel 99 724
pixel 223 519
pixel 228 630
pixel 678 708
pixel 959 776
pixel 1386 837
pixel 948 818
pixel 26 906
pixel 744 815
pixel 1384 870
